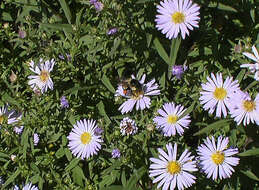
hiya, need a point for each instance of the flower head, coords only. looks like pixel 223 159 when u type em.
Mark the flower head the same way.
pixel 171 120
pixel 64 103
pixel 28 186
pixel 112 31
pixel 18 130
pixel 254 68
pixel 22 34
pixel 177 16
pixel 178 70
pixel 139 96
pixel 42 80
pixel 244 108
pixel 128 126
pixel 9 117
pixel 98 131
pixel 217 93
pixel 216 159
pixel 36 139
pixel 83 142
pixel 116 153
pixel 98 6
pixel 172 172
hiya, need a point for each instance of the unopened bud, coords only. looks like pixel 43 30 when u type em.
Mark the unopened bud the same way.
pixel 13 77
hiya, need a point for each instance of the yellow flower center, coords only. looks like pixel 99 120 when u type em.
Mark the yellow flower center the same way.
pixel 249 105
pixel 220 93
pixel 218 157
pixel 2 119
pixel 173 167
pixel 44 76
pixel 178 17
pixel 86 138
pixel 172 119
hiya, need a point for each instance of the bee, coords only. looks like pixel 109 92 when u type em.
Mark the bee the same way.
pixel 132 87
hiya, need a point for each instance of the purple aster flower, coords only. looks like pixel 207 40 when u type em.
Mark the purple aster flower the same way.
pixel 22 34
pixel 18 130
pixel 98 6
pixel 140 98
pixel 112 31
pixel 116 153
pixel 128 126
pixel 178 71
pixel 93 2
pixel 64 103
pixel 177 16
pixel 98 131
pixel 69 58
pixel 36 139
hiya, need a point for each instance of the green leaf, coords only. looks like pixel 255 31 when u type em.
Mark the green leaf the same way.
pixel 174 50
pixel 161 51
pixel 107 84
pixel 11 178
pixel 222 6
pixel 123 179
pixel 115 165
pixel 251 152
pixel 60 153
pixel 66 10
pixel 24 142
pixel 78 175
pixel 135 177
pixel 7 17
pixel 218 124
pixel 72 164
pixel 54 137
pixel 189 109
pixel 241 75
pixel 250 174
pixel 7 98
pixel 56 26
pixel 102 112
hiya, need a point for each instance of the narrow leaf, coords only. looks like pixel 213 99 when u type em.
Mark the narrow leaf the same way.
pixel 161 51
pixel 215 125
pixel 108 84
pixel 250 174
pixel 252 152
pixel 66 10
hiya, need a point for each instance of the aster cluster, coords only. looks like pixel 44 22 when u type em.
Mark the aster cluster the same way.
pixel 215 160
pixel 226 97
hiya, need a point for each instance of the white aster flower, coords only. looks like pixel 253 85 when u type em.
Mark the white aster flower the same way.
pixel 216 159
pixel 83 141
pixel 254 68
pixel 217 93
pixel 244 108
pixel 141 98
pixel 177 16
pixel 42 80
pixel 29 186
pixel 171 120
pixel 170 172
pixel 9 117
